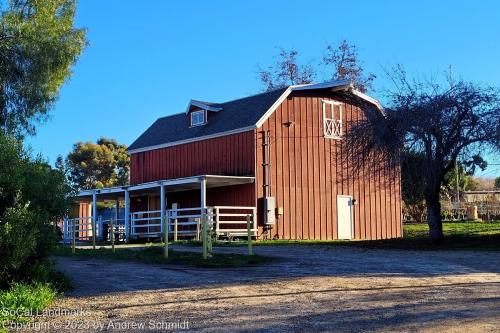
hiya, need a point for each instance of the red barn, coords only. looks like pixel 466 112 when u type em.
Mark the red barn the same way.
pixel 277 155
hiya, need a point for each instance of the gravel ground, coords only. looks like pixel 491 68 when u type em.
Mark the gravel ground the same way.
pixel 308 289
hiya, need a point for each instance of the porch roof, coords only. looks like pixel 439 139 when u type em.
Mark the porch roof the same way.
pixel 171 185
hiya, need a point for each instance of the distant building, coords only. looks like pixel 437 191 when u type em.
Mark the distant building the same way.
pixel 481 196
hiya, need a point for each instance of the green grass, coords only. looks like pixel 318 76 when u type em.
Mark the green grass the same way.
pixel 466 228
pixel 154 255
pixel 464 235
pixel 21 299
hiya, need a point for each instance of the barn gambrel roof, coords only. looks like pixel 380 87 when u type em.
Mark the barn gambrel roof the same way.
pixel 235 116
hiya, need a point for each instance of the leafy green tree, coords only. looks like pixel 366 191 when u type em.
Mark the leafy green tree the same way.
pixel 412 185
pixel 32 197
pixel 96 165
pixel 497 183
pixel 38 47
pixel 466 180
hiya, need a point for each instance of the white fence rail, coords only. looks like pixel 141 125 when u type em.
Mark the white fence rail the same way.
pixel 225 221
pixel 84 229
pixel 146 223
pixel 186 221
pixel 231 221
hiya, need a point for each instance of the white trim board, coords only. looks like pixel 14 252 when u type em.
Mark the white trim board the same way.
pixel 202 105
pixel 334 85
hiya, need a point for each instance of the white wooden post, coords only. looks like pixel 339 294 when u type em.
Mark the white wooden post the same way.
pixel 127 215
pixel 197 220
pixel 203 198
pixel 203 205
pixel 112 235
pixel 162 210
pixel 165 236
pixel 210 223
pixel 254 218
pixel 117 216
pixel 249 235
pixel 175 230
pixel 173 215
pixel 64 231
pixel 73 236
pixel 217 223
pixel 94 214
pixel 204 233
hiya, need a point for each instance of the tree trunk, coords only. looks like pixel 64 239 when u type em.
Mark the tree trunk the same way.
pixel 434 217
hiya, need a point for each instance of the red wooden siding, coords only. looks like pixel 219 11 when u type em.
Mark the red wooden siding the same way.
pixel 227 155
pixel 237 195
pixel 308 173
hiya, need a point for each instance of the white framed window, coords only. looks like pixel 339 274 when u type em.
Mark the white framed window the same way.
pixel 198 118
pixel 332 119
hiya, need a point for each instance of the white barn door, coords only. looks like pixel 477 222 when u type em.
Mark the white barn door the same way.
pixel 344 216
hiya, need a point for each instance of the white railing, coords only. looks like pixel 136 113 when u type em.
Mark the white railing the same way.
pixel 146 223
pixel 186 221
pixel 231 221
pixel 83 229
pixel 118 227
pixel 225 221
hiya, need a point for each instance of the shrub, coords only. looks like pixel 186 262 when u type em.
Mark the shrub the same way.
pixel 32 197
pixel 21 299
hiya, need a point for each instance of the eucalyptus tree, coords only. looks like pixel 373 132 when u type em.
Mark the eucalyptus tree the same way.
pixel 38 47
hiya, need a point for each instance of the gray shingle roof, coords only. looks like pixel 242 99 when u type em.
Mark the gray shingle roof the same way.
pixel 235 114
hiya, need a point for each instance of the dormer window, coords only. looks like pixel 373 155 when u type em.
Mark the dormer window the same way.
pixel 198 118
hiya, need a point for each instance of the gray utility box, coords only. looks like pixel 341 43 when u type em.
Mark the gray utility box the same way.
pixel 269 210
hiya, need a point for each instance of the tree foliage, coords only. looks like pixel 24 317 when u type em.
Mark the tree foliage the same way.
pixel 32 197
pixel 96 165
pixel 441 124
pixel 413 184
pixel 497 183
pixel 341 62
pixel 286 71
pixel 38 47
pixel 344 60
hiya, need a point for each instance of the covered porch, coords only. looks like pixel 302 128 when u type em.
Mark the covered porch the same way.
pixel 140 211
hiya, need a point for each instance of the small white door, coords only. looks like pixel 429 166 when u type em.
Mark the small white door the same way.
pixel 344 216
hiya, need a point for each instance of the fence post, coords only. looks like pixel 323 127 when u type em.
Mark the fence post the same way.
pixel 204 235
pixel 165 237
pixel 197 228
pixel 112 235
pixel 64 231
pixel 216 222
pixel 175 230
pixel 209 236
pixel 93 233
pixel 249 235
pixel 74 236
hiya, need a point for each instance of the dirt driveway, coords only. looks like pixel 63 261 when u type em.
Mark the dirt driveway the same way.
pixel 309 289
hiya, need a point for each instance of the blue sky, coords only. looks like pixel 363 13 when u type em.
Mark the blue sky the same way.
pixel 147 59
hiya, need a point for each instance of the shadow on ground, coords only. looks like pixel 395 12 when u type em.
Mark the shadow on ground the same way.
pixel 95 277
